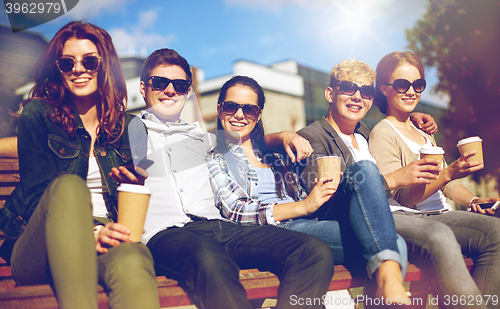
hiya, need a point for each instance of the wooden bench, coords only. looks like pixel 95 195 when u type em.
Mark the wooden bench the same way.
pixel 258 285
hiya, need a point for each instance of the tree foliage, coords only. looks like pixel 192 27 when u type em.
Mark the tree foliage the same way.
pixel 462 39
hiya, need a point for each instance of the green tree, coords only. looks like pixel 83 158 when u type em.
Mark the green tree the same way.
pixel 462 39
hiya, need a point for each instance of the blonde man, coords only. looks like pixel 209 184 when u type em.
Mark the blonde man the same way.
pixel 342 133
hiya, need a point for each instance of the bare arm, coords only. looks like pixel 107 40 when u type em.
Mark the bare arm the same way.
pixel 458 169
pixel 418 172
pixel 239 204
pixel 322 192
pixel 291 142
pixel 425 122
pixel 400 174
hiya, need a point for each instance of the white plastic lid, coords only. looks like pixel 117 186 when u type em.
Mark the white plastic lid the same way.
pixel 469 140
pixel 328 157
pixel 127 187
pixel 431 150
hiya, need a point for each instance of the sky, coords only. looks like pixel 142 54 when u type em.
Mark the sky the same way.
pixel 213 34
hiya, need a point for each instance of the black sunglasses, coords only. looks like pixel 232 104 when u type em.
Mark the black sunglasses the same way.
pixel 350 88
pixel 161 83
pixel 89 62
pixel 249 110
pixel 402 85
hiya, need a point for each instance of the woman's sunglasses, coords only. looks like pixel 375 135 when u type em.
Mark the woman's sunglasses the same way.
pixel 350 88
pixel 402 85
pixel 161 83
pixel 249 110
pixel 90 63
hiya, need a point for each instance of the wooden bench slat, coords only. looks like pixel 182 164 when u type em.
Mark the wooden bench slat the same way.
pixel 9 164
pixel 257 284
pixel 5 272
pixel 10 179
pixel 6 191
pixel 7 283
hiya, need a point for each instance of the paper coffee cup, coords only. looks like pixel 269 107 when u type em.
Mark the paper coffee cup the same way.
pixel 471 143
pixel 432 152
pixel 329 166
pixel 133 201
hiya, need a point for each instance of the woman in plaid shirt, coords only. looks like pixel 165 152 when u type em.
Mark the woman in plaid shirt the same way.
pixel 253 186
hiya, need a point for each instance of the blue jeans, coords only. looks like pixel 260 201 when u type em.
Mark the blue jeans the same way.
pixel 359 214
pixel 329 232
pixel 437 242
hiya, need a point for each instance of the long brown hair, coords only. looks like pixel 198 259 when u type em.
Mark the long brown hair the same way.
pixel 110 81
pixel 385 67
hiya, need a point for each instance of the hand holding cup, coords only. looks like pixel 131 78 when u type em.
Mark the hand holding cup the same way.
pixel 432 152
pixel 329 167
pixel 471 143
pixel 133 201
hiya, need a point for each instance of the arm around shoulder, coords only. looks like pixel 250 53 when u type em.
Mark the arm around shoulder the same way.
pixel 297 147
pixel 307 170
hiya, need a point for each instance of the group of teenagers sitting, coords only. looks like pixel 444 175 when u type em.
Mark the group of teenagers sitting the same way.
pixel 235 198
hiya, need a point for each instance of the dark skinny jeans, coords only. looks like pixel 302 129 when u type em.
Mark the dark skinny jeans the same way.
pixel 205 257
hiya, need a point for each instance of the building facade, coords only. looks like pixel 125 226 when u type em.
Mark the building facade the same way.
pixel 283 88
pixel 18 54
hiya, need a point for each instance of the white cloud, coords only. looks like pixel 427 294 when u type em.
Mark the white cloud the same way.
pixel 146 19
pixel 91 8
pixel 138 41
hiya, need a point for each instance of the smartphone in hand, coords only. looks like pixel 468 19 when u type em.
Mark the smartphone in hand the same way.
pixel 143 164
pixel 490 205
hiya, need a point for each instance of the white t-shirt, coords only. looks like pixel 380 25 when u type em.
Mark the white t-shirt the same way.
pixel 358 154
pixel 98 191
pixel 179 178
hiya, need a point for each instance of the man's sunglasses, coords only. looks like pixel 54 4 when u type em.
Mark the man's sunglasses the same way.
pixel 402 85
pixel 90 63
pixel 350 88
pixel 161 83
pixel 249 110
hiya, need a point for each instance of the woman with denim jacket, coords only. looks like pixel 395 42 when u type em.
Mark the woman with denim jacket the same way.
pixel 73 135
pixel 253 186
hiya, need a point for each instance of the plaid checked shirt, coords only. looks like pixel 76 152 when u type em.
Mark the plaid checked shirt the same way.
pixel 237 196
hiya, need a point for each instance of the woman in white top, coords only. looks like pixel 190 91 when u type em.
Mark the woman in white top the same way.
pixel 420 211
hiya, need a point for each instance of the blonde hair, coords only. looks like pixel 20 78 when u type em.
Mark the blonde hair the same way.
pixel 352 70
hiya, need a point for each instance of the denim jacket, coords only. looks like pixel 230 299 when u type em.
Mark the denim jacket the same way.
pixel 47 151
